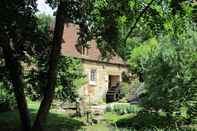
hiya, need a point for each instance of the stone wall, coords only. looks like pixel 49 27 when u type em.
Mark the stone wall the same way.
pixel 97 92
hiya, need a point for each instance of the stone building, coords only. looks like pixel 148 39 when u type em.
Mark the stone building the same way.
pixel 101 74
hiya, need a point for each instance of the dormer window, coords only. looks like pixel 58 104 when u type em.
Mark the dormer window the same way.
pixel 84 51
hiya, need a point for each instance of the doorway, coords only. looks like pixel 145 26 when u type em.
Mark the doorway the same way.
pixel 113 93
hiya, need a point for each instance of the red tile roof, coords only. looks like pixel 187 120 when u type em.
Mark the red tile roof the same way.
pixel 70 38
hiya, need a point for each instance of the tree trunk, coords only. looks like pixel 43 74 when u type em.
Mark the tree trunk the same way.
pixel 52 71
pixel 15 76
pixel 175 5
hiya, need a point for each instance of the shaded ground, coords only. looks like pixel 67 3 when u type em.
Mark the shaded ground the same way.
pixel 56 121
pixel 143 121
pixel 62 121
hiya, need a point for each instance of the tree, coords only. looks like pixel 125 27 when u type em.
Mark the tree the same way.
pixel 52 71
pixel 168 69
pixel 18 21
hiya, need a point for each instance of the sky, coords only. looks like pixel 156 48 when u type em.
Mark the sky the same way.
pixel 44 8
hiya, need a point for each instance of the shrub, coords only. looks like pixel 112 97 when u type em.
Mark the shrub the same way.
pixel 129 91
pixel 124 90
pixel 169 71
pixel 69 79
pixel 122 108
pixel 7 99
pixel 145 119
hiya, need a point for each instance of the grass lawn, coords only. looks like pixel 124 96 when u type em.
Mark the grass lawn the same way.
pixel 61 121
pixel 58 121
pixel 112 118
pixel 107 124
pixel 9 121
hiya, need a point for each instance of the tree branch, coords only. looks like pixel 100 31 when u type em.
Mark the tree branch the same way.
pixel 137 20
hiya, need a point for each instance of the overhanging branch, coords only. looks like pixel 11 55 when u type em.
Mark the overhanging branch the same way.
pixel 137 20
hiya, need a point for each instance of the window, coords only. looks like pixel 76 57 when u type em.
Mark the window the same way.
pixel 93 77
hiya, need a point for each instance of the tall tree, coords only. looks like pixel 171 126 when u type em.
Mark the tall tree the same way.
pixel 15 72
pixel 18 21
pixel 52 71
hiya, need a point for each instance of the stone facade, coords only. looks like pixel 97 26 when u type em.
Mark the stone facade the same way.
pixel 95 92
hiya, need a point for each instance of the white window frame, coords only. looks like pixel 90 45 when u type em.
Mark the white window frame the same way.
pixel 93 77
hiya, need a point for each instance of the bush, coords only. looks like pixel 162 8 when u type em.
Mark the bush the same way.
pixel 143 120
pixel 169 71
pixel 124 90
pixel 122 108
pixel 7 99
pixel 69 79
pixel 129 91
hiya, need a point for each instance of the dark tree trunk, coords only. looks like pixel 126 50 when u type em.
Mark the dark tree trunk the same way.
pixel 141 77
pixel 175 4
pixel 15 76
pixel 52 71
